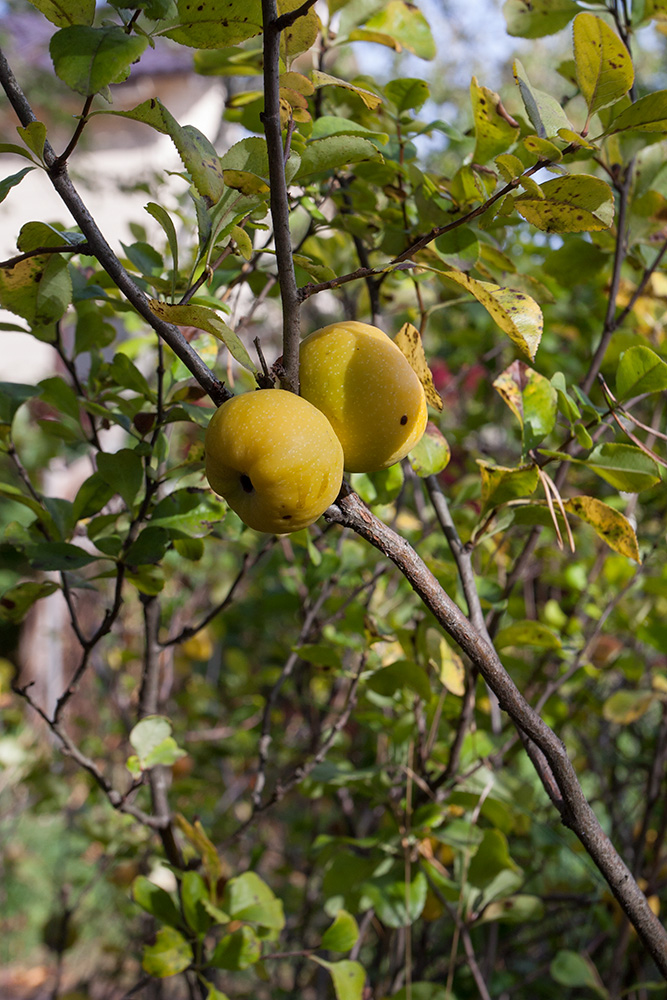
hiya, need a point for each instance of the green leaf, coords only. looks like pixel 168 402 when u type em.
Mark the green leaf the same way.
pixel 13 395
pixel 648 114
pixel 214 24
pixel 500 484
pixel 238 950
pixel 390 896
pixel 492 856
pixel 58 556
pixel 9 182
pixel 333 125
pixel 196 835
pixel 519 909
pixel 624 467
pixel 348 978
pixel 625 707
pixel 127 375
pixel 572 204
pixel 406 24
pixel 62 12
pixel 248 897
pixel 89 59
pixel 431 454
pixel 17 601
pixel 603 64
pixel 333 152
pixel 371 100
pixel 544 111
pixel 156 901
pixel 189 511
pixel 399 675
pixel 640 370
pixel 123 471
pixel 494 134
pixel 539 17
pixel 149 734
pixel 38 289
pixel 407 93
pixel 92 496
pixel 612 527
pixel 300 35
pixel 193 894
pixel 569 968
pixel 162 216
pixel 532 399
pixel 342 934
pixel 170 954
pixel 202 161
pixel 527 633
pixel 208 320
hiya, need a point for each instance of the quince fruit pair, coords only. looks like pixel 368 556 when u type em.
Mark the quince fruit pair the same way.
pixel 278 458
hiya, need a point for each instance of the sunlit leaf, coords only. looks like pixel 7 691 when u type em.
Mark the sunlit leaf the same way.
pixel 544 111
pixel 494 131
pixel 536 18
pixel 215 24
pixel 572 204
pixel 89 59
pixel 170 954
pixel 648 114
pixel 603 64
pixel 610 524
pixel 640 370
pixel 500 484
pixel 348 978
pixel 342 934
pixel 527 633
pixel 624 466
pixel 625 707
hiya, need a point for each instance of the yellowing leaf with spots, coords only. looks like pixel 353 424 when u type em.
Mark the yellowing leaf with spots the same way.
pixel 495 131
pixel 603 64
pixel 409 341
pixel 215 24
pixel 576 203
pixel 612 527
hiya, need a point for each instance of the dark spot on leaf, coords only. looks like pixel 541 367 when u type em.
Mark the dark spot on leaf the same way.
pixel 246 483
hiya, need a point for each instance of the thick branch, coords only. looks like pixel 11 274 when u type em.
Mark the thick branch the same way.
pixel 279 203
pixel 103 252
pixel 576 813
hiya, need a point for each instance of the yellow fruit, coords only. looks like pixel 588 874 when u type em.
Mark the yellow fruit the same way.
pixel 362 382
pixel 274 458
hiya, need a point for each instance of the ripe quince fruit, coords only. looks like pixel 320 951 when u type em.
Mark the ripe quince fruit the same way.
pixel 274 458
pixel 366 388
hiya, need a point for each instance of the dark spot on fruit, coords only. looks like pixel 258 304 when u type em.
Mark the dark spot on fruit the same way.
pixel 404 419
pixel 246 483
pixel 287 517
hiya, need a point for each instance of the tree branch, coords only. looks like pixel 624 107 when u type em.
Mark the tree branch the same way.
pixel 576 813
pixel 279 202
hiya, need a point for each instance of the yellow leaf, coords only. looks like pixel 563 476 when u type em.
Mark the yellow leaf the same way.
pixel 610 524
pixel 409 341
